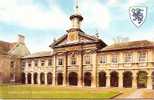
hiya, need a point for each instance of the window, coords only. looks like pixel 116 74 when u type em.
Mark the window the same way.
pixel 73 60
pixel 49 62
pixel 87 60
pixel 12 64
pixel 42 62
pixel 142 56
pixel 60 61
pixel 36 62
pixel 114 58
pixel 128 57
pixel 29 64
pixel 103 59
pixel 23 63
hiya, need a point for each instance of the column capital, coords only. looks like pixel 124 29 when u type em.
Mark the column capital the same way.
pixel 149 75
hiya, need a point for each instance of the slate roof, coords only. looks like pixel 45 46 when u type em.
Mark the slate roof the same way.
pixel 129 45
pixel 39 54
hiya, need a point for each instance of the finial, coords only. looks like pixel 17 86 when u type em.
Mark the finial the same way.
pixel 54 39
pixel 97 33
pixel 77 7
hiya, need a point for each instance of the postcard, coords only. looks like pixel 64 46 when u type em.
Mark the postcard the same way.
pixel 76 49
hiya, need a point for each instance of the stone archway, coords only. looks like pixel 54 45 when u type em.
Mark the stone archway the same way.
pixel 127 79
pixel 114 79
pixel 35 78
pixel 23 78
pixel 29 76
pixel 142 79
pixel 102 79
pixel 87 79
pixel 152 80
pixel 42 78
pixel 59 79
pixel 73 78
pixel 49 78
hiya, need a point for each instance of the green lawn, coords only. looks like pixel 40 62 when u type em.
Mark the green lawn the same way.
pixel 28 91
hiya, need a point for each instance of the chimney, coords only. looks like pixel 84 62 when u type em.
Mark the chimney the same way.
pixel 21 39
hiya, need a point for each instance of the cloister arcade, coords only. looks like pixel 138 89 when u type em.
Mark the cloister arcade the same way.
pixel 142 78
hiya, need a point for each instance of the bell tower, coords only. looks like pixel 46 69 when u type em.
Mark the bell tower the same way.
pixel 76 20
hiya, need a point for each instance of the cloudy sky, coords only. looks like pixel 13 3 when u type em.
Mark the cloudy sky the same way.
pixel 40 21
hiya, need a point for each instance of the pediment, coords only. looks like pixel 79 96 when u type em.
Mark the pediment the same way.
pixel 74 38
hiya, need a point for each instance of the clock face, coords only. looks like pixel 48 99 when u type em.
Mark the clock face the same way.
pixel 72 36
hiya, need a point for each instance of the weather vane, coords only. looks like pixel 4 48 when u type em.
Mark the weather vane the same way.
pixel 77 7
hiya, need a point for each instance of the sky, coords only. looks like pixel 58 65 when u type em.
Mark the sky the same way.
pixel 41 21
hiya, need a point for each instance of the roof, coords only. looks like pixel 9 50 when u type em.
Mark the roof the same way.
pixel 39 54
pixel 14 48
pixel 129 45
pixel 81 33
pixel 5 47
pixel 20 50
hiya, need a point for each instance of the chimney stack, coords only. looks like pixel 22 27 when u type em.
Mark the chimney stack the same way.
pixel 21 39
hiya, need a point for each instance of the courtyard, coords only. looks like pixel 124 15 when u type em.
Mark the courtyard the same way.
pixel 42 91
pixel 60 92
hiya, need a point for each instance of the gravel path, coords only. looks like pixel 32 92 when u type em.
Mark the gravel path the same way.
pixel 136 94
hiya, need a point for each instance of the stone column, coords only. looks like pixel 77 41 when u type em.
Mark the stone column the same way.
pixel 134 81
pixel 80 73
pixel 32 78
pixel 46 81
pixel 94 67
pixel 38 78
pixel 54 71
pixel 26 78
pixel 120 79
pixel 149 82
pixel 108 79
pixel 65 70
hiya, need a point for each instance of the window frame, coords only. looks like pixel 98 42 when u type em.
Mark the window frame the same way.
pixel 114 58
pixel 103 59
pixel 128 57
pixel 60 61
pixel 142 58
pixel 87 59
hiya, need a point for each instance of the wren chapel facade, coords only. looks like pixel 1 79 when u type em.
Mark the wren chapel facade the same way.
pixel 79 59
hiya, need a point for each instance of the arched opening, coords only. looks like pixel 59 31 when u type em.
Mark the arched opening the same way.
pixel 102 79
pixel 127 79
pixel 42 78
pixel 49 78
pixel 152 80
pixel 23 78
pixel 142 79
pixel 73 78
pixel 114 79
pixel 35 78
pixel 29 78
pixel 59 79
pixel 87 79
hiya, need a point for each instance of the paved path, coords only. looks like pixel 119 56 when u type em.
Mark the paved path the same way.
pixel 136 94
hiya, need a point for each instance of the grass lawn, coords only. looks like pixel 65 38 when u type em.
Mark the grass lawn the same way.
pixel 29 91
